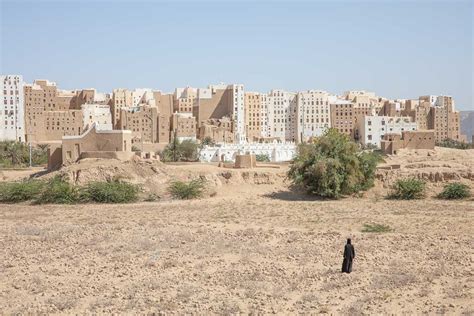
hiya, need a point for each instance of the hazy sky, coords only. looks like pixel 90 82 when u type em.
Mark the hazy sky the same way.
pixel 399 49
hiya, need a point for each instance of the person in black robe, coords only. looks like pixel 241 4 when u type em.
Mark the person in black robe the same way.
pixel 349 255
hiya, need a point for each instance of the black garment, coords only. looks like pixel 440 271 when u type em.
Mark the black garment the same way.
pixel 349 255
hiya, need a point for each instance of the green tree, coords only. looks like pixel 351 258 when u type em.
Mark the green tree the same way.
pixel 207 141
pixel 187 150
pixel 39 155
pixel 332 166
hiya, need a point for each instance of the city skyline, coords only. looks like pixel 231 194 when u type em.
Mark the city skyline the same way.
pixel 399 51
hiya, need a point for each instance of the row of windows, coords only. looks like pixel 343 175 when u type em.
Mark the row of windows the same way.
pixel 6 102
pixel 317 103
pixel 317 112
pixel 11 92
pixel 317 121
pixel 62 128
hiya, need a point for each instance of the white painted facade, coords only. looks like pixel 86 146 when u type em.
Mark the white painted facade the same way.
pixel 373 128
pixel 238 111
pixel 313 114
pixel 98 114
pixel 184 93
pixel 281 115
pixel 264 115
pixel 226 152
pixel 350 95
pixel 140 96
pixel 12 110
pixel 204 93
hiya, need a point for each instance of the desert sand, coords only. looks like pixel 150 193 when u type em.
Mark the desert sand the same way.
pixel 253 247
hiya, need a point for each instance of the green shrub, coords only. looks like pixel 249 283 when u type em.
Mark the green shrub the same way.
pixel 408 189
pixel 14 192
pixel 376 228
pixel 110 192
pixel 185 191
pixel 333 166
pixel 451 143
pixel 455 191
pixel 58 191
pixel 262 158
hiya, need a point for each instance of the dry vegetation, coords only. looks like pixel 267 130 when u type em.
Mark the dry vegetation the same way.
pixel 255 247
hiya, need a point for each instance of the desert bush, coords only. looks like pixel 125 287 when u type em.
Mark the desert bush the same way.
pixel 58 191
pixel 110 192
pixel 376 228
pixel 14 192
pixel 408 189
pixel 332 166
pixel 185 191
pixel 262 158
pixel 455 191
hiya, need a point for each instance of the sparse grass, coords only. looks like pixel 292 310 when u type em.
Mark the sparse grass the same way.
pixel 110 192
pixel 455 191
pixel 408 189
pixel 376 228
pixel 15 192
pixel 186 191
pixel 62 303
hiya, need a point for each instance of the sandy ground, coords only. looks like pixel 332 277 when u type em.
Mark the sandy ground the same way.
pixel 250 249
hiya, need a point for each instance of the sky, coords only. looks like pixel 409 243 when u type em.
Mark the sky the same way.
pixel 398 49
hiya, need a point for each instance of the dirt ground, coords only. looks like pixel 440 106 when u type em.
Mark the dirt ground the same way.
pixel 249 249
pixel 253 247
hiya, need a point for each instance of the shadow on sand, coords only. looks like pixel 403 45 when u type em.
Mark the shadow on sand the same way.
pixel 293 194
pixel 39 173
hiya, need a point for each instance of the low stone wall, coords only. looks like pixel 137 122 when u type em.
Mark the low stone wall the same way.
pixel 245 161
pixel 119 155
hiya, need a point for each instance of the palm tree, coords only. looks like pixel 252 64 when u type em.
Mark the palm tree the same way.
pixel 15 152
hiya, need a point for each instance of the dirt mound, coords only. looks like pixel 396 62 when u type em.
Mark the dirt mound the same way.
pixel 434 166
pixel 154 176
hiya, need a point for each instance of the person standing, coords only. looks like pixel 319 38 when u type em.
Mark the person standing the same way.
pixel 349 255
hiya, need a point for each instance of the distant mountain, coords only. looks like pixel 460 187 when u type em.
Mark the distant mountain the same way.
pixel 467 124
